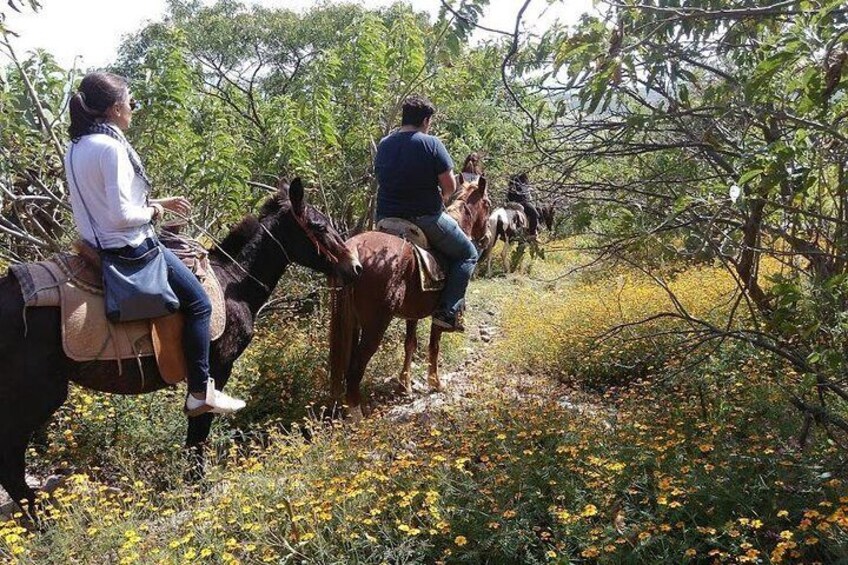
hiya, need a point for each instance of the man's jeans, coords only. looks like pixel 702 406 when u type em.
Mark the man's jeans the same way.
pixel 448 239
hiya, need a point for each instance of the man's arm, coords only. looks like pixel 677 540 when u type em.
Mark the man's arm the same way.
pixel 447 182
pixel 444 163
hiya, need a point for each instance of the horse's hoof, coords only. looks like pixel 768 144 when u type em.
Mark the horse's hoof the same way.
pixel 435 385
pixel 404 387
pixel 354 414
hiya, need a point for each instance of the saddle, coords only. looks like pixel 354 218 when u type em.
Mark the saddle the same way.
pixel 431 273
pixel 72 282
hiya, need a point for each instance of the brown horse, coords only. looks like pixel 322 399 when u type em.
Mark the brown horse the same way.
pixel 389 287
pixel 248 264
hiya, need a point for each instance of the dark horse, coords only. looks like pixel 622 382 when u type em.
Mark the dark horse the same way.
pixel 388 288
pixel 248 263
pixel 547 212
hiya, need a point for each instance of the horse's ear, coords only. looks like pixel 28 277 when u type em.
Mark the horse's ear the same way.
pixel 283 184
pixel 296 196
pixel 481 185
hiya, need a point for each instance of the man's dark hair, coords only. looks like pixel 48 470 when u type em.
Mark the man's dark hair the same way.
pixel 416 109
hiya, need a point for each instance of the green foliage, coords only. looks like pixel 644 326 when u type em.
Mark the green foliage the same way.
pixel 714 131
pixel 235 95
pixel 678 465
pixel 33 215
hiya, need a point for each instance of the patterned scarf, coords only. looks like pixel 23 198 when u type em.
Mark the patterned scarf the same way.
pixel 116 134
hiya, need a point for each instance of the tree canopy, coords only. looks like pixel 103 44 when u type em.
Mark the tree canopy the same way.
pixel 234 96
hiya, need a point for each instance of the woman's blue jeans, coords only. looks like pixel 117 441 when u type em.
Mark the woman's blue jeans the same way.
pixel 448 239
pixel 194 304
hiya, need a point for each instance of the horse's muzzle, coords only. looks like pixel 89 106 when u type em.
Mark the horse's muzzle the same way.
pixel 351 268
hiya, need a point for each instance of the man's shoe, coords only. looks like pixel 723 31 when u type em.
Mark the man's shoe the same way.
pixel 215 401
pixel 448 323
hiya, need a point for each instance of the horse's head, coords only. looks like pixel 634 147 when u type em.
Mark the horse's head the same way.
pixel 315 243
pixel 472 169
pixel 471 209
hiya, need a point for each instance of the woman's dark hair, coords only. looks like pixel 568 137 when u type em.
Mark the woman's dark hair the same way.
pixel 416 109
pixel 97 92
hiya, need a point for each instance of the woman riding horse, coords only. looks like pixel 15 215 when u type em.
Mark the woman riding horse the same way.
pixel 248 264
pixel 109 191
pixel 472 169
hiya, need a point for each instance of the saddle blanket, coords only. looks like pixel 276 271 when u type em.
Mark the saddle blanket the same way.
pixel 430 271
pixel 73 284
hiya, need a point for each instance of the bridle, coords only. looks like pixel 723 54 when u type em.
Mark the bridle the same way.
pixel 319 247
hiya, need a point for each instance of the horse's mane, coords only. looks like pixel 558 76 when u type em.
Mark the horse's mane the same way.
pixel 238 237
pixel 245 231
pixel 460 197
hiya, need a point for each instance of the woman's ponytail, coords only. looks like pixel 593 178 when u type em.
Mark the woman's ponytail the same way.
pixel 97 93
pixel 82 117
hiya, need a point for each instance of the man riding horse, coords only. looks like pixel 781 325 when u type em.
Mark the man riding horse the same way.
pixel 520 191
pixel 415 176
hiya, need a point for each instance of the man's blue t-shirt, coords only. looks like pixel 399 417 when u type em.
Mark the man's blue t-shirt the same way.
pixel 408 165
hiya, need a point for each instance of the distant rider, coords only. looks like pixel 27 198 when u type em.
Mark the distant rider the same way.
pixel 521 192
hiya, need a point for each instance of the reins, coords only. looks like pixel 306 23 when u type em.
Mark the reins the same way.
pixel 319 247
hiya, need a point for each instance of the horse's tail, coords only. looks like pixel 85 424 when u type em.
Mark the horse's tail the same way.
pixel 343 326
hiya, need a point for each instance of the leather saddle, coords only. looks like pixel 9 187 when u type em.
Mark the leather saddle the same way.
pixel 72 282
pixel 431 272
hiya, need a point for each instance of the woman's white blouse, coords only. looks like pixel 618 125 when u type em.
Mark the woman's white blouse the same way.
pixel 115 196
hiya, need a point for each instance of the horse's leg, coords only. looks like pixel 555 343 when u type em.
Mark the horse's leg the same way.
pixel 505 255
pixel 433 372
pixel 200 426
pixel 33 387
pixel 41 404
pixel 198 433
pixel 489 256
pixel 369 341
pixel 13 476
pixel 410 345
pixel 485 254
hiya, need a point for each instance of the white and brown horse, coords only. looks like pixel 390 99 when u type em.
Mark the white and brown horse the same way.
pixel 508 223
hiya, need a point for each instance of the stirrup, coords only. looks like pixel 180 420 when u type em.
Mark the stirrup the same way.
pixel 448 323
pixel 216 402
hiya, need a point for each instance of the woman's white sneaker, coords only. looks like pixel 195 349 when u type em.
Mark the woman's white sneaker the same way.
pixel 215 401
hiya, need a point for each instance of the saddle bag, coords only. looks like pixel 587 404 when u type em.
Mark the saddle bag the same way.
pixel 136 288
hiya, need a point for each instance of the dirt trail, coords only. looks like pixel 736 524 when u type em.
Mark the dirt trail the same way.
pixel 475 379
